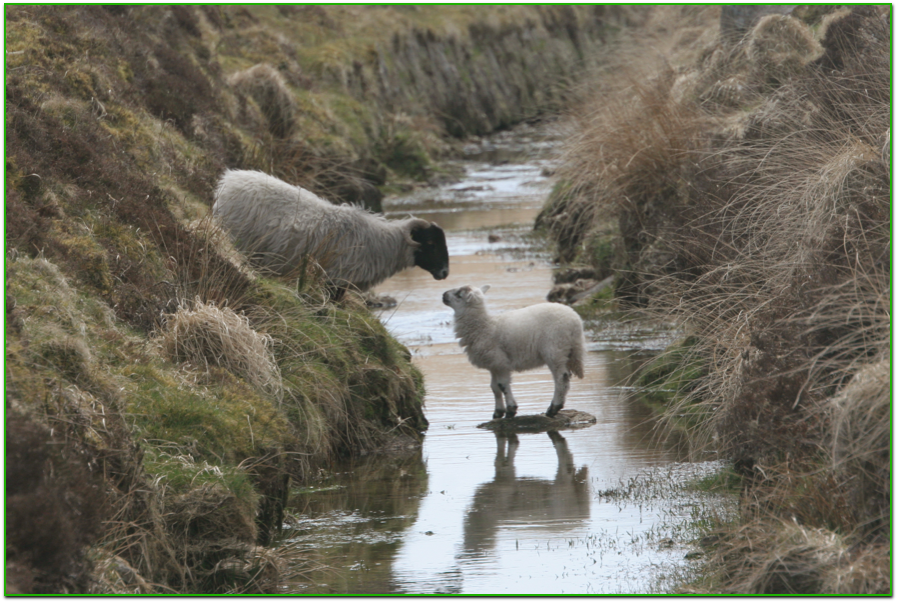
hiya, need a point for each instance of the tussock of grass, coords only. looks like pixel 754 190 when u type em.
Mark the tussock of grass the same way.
pixel 779 46
pixel 208 335
pixel 268 88
pixel 859 440
pixel 800 560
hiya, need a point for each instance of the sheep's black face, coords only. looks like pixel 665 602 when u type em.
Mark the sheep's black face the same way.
pixel 432 255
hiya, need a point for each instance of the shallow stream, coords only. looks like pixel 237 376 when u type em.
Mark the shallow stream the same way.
pixel 595 510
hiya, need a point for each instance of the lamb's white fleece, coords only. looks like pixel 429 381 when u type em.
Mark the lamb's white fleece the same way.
pixel 544 334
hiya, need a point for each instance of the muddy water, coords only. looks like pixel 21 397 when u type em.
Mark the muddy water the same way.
pixel 594 510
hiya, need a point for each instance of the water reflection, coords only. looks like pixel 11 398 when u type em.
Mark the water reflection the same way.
pixel 353 519
pixel 509 499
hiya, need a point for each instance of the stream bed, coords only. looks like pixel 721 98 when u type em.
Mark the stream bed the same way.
pixel 601 509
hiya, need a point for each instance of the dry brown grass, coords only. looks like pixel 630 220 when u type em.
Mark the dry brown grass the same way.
pixel 800 560
pixel 631 158
pixel 267 87
pixel 206 335
pixel 858 442
pixel 779 46
pixel 800 264
pixel 771 236
pixel 760 223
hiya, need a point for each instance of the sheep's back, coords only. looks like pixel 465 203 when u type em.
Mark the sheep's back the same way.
pixel 532 335
pixel 267 217
pixel 278 223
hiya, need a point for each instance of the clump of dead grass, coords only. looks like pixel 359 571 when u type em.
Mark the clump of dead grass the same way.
pixel 800 560
pixel 216 239
pixel 207 335
pixel 858 440
pixel 779 46
pixel 264 84
pixel 632 157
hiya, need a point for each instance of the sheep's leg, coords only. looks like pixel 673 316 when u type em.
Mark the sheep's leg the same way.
pixel 499 400
pixel 501 388
pixel 504 383
pixel 561 386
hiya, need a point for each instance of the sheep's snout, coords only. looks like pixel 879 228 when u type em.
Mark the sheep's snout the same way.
pixel 441 274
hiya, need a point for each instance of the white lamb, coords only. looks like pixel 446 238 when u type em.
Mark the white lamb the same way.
pixel 519 340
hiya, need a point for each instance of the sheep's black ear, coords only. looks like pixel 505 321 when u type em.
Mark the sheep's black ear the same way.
pixel 413 229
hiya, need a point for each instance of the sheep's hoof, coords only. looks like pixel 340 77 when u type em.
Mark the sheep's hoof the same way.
pixel 512 412
pixel 498 414
pixel 551 412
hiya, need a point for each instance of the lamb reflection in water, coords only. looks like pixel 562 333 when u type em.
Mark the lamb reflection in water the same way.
pixel 507 499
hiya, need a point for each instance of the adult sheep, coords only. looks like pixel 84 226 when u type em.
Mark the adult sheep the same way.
pixel 279 225
pixel 518 340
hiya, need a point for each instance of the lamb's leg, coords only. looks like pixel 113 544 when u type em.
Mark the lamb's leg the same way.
pixel 499 400
pixel 501 388
pixel 561 386
pixel 504 384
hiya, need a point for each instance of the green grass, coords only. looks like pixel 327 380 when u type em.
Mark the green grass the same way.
pixel 672 375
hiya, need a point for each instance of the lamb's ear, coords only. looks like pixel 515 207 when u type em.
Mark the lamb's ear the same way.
pixel 410 226
pixel 485 288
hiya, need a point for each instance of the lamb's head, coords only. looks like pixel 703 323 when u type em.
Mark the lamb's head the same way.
pixel 462 298
pixel 430 251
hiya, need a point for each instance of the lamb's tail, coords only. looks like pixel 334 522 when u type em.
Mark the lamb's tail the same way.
pixel 575 362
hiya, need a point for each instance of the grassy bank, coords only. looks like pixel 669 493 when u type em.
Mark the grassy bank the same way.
pixel 742 184
pixel 189 433
pixel 160 394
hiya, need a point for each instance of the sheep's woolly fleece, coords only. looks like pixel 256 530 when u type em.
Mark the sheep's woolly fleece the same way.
pixel 280 225
pixel 519 340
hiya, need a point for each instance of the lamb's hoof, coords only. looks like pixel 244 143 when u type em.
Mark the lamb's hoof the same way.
pixel 498 414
